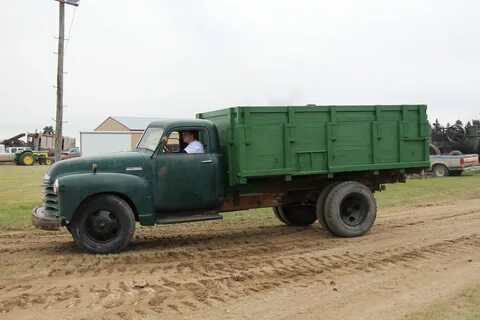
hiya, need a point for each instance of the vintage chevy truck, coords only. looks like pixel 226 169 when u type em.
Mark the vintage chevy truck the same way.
pixel 308 163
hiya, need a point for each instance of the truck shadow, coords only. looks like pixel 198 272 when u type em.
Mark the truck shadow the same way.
pixel 257 235
pixel 154 238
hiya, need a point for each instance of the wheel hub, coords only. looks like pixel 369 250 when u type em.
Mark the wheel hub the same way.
pixel 102 226
pixel 354 210
pixel 440 172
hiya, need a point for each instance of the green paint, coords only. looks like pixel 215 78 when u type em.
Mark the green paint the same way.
pixel 299 140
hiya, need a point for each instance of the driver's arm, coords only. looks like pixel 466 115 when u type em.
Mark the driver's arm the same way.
pixel 165 146
pixel 165 141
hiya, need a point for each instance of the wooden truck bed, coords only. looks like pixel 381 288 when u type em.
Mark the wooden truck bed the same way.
pixel 307 140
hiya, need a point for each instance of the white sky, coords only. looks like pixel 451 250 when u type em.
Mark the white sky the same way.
pixel 177 58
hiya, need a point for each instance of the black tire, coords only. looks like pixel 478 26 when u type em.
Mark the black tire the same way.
pixel 320 207
pixel 27 159
pixel 456 173
pixel 103 224
pixel 440 170
pixel 298 215
pixel 350 209
pixel 276 211
pixel 455 153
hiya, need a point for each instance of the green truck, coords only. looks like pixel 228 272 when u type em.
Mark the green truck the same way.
pixel 308 163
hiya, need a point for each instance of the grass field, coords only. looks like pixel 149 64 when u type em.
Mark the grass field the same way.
pixel 21 190
pixel 464 307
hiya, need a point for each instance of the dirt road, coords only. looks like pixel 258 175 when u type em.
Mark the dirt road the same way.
pixel 248 268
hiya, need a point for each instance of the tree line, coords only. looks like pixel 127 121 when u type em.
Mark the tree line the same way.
pixel 438 127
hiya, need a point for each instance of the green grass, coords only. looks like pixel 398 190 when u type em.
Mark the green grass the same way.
pixel 20 192
pixel 464 307
pixel 431 190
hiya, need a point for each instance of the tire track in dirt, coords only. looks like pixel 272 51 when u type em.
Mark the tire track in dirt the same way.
pixel 178 274
pixel 178 248
pixel 211 287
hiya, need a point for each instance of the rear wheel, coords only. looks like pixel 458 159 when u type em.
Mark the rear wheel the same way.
pixel 321 205
pixel 27 159
pixel 103 224
pixel 276 211
pixel 298 215
pixel 350 209
pixel 439 170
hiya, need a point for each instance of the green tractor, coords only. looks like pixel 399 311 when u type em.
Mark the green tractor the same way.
pixel 29 158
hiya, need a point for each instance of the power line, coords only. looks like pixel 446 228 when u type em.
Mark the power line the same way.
pixel 70 29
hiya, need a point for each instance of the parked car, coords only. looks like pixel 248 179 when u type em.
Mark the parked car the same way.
pixel 452 165
pixel 308 163
pixel 71 153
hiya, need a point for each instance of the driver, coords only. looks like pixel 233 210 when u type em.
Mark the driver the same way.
pixel 193 145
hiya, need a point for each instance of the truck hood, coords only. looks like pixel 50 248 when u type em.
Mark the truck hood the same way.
pixel 123 162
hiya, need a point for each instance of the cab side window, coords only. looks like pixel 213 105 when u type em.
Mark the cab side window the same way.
pixel 179 140
pixel 203 138
pixel 174 141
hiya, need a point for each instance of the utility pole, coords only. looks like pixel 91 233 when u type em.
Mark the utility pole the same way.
pixel 59 112
pixel 61 53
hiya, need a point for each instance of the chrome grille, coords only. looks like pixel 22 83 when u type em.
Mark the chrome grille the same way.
pixel 50 199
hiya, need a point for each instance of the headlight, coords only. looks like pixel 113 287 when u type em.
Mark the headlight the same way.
pixel 56 187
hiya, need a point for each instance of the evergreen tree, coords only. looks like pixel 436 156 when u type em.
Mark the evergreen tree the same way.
pixel 48 130
pixel 437 127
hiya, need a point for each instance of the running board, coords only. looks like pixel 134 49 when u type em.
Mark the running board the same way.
pixel 187 216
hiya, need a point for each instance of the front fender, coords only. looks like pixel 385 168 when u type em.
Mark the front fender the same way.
pixel 73 189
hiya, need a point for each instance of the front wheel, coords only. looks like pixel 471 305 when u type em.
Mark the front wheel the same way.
pixel 103 224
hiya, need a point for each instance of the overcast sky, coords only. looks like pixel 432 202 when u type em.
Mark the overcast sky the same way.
pixel 177 58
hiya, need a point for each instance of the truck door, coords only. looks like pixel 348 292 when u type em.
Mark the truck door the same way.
pixel 185 181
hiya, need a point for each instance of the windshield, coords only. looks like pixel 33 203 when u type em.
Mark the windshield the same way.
pixel 150 138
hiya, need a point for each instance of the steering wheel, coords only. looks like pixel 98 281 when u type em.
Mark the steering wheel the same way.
pixel 166 149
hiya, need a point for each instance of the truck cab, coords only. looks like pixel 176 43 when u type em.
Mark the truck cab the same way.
pixel 156 183
pixel 184 181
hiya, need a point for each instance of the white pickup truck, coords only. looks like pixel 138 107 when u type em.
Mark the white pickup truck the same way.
pixel 8 154
pixel 453 165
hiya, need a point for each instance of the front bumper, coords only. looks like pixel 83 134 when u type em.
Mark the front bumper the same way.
pixel 42 220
